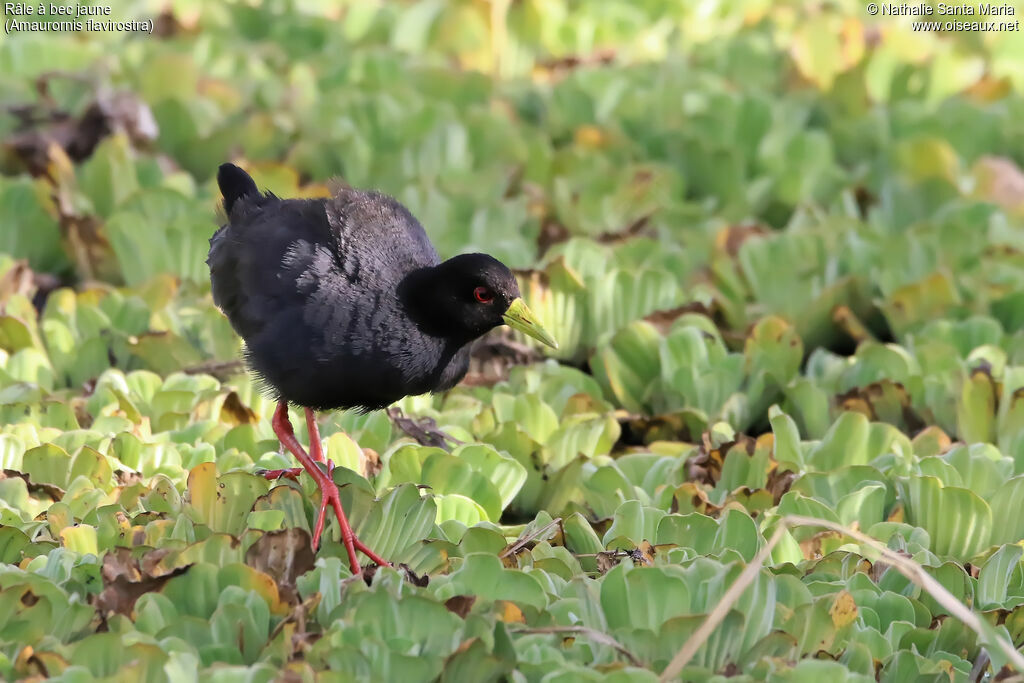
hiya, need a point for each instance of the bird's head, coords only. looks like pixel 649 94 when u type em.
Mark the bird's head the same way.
pixel 470 294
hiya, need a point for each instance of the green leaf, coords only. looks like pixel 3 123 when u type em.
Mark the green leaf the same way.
pixel 398 523
pixel 957 520
pixel 643 597
pixel 994 579
pixel 628 365
pixel 222 502
pixel 481 574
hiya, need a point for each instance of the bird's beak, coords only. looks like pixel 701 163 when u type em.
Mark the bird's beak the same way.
pixel 520 317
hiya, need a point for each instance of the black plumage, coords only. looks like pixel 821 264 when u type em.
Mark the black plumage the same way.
pixel 344 303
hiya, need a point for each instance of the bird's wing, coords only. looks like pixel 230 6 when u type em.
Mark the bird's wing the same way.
pixel 376 238
pixel 331 266
pixel 249 263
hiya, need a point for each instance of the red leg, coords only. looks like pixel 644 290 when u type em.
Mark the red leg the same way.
pixel 328 491
pixel 315 451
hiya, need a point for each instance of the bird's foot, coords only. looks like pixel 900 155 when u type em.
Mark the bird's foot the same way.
pixel 331 497
pixel 288 472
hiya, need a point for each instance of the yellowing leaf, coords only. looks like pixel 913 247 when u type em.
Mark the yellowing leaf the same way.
pixel 989 89
pixel 590 136
pixel 510 612
pixel 843 610
pixel 819 56
pixel 80 538
pixel 929 157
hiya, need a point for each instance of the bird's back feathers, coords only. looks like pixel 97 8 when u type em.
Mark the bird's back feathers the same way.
pixel 311 285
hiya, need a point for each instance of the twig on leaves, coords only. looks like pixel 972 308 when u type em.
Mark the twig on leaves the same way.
pixel 910 569
pixel 596 636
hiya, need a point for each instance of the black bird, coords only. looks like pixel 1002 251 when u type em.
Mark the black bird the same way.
pixel 343 303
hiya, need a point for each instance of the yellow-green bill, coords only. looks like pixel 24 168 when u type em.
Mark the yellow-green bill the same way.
pixel 520 317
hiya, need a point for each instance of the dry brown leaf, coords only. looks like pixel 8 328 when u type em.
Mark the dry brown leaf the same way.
pixel 608 560
pixel 371 463
pixel 51 491
pixel 730 239
pixel 779 483
pixel 234 412
pixel 424 430
pixel 412 577
pixel 811 547
pixel 848 322
pixel 125 581
pixel 460 604
pixel 897 514
pixel 696 497
pixel 283 555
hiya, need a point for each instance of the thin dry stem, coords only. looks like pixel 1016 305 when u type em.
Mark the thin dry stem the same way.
pixel 707 627
pixel 910 569
pixel 921 578
pixel 520 543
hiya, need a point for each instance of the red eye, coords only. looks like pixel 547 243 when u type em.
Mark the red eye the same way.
pixel 483 295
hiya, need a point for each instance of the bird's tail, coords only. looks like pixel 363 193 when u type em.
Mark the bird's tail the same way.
pixel 234 185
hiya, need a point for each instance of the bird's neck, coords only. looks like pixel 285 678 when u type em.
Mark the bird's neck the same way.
pixel 429 302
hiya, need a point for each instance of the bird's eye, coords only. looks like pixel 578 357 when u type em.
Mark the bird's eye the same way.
pixel 483 295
